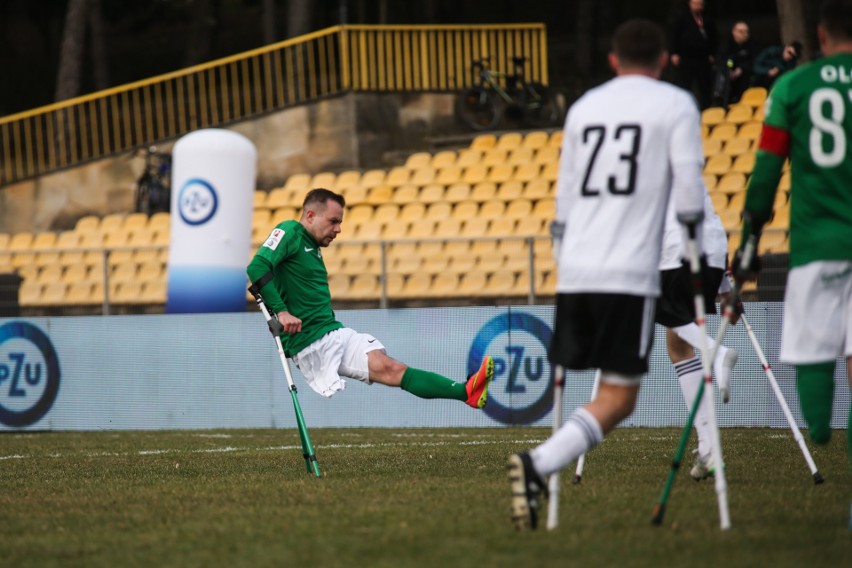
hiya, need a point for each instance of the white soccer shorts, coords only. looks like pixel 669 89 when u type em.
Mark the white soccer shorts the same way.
pixel 818 312
pixel 337 354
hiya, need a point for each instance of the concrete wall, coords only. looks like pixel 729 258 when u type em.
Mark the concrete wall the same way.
pixel 354 131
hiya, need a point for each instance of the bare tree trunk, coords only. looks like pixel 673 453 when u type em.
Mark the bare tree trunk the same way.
pixel 99 58
pixel 793 24
pixel 71 55
pixel 298 17
pixel 268 17
pixel 586 36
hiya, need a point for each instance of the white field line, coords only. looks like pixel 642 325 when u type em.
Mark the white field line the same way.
pixel 229 449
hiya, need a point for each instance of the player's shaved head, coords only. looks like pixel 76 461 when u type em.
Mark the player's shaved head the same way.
pixel 317 198
pixel 638 44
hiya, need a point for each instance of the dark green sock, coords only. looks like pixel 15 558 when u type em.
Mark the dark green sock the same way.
pixel 815 384
pixel 849 442
pixel 432 385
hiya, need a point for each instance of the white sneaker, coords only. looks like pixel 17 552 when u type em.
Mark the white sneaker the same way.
pixel 702 468
pixel 723 367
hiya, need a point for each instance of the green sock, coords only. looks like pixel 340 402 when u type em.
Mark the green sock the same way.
pixel 432 385
pixel 815 384
pixel 849 443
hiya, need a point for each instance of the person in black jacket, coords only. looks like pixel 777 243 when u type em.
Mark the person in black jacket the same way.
pixel 693 47
pixel 734 66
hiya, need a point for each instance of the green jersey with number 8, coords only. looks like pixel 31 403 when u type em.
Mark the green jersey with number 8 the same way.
pixel 809 120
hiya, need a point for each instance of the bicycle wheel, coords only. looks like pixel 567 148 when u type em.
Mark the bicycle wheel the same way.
pixel 478 108
pixel 540 106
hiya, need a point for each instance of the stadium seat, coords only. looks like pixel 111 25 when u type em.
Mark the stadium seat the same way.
pixel 76 273
pixel 346 179
pixel 465 210
pixel 773 241
pixel 438 211
pixel 359 214
pixel 744 163
pixel 538 188
pixel 710 181
pixel 448 228
pixel 474 227
pixel 411 212
pixel 724 131
pixel 397 176
pixel 547 155
pixel 483 142
pixel 399 249
pixel 53 294
pixel 298 182
pixel 21 242
pixel 432 193
pixel 279 197
pixel 711 147
pixel 780 219
pixel 535 140
pixel 531 226
pixel 112 223
pixel 51 273
pixel 282 214
pixel 500 283
pixel 550 171
pixel 449 175
pixel 502 227
pixel 518 208
pixel 510 140
pixel 510 190
pixel 379 194
pixel 754 96
pixel 87 224
pixel 421 229
pixel 372 178
pixel 522 155
pixel 423 175
pixel 29 293
pixel 443 159
pixel 737 146
pixel 355 195
pixel 386 213
pixel 750 130
pixel 159 221
pixel 367 231
pixel 135 221
pixel 736 201
pixel 323 179
pixel 731 219
pixel 501 173
pixel 492 209
pixel 731 182
pixel 712 116
pixel 79 293
pixel 124 272
pixel 483 191
pixel 457 192
pixel 407 264
pixel 545 209
pixel 495 156
pixel 739 114
pixel 527 172
pixel 364 287
pixel 151 271
pixel 468 157
pixel 405 194
pixel 154 292
pixel 393 285
pixel 126 293
pixel 418 160
pixel 555 139
pixel 719 201
pixel 472 284
pixel 417 285
pixel 475 173
pixel 718 164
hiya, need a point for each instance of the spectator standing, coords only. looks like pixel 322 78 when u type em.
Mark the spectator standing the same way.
pixel 734 70
pixel 693 47
pixel 774 61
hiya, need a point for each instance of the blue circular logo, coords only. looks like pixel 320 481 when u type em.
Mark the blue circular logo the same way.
pixel 197 201
pixel 29 374
pixel 522 391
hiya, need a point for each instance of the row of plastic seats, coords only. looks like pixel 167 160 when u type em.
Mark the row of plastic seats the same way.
pixel 91 293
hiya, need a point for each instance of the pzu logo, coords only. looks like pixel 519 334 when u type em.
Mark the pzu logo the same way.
pixel 521 392
pixel 197 202
pixel 29 374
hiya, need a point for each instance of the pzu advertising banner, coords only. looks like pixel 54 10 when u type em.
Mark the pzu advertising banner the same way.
pixel 191 371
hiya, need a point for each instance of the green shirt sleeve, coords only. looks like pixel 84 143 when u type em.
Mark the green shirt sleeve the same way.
pixel 280 245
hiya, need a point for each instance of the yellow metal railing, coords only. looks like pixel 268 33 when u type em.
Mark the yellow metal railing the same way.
pixel 322 64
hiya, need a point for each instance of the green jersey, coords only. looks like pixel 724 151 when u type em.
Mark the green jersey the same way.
pixel 809 120
pixel 299 285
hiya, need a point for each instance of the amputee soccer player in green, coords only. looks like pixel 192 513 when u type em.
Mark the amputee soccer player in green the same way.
pixel 809 120
pixel 290 272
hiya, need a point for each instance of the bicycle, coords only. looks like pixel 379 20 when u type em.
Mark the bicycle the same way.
pixel 153 188
pixel 482 106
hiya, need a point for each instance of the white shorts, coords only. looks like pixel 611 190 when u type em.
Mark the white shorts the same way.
pixel 818 312
pixel 337 354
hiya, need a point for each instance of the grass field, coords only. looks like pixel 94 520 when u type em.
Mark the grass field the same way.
pixel 405 498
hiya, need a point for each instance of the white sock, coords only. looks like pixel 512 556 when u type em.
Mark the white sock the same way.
pixel 690 375
pixel 578 435
pixel 691 333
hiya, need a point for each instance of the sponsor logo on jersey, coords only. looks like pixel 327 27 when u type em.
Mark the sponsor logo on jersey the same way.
pixel 274 238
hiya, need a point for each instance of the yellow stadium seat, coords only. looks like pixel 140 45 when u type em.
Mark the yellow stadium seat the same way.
pixel 510 190
pixel 736 201
pixel 397 176
pixel 417 285
pixel 495 156
pixel 405 194
pixel 347 179
pixel 501 173
pixel 750 130
pixel 719 201
pixel 150 271
pixel 489 263
pixel 51 273
pixel 731 182
pixel 547 155
pixel 53 294
pixel 710 181
pixel 510 140
pixel 527 172
pixel 373 178
pixel 475 173
pixel 538 188
pixel 457 192
pixel 535 140
pixel 472 284
pixel 4 241
pixel 443 159
pixel 160 220
pixel 448 228
pixel 323 180
pixel 718 164
pixel 395 230
pixel 364 287
pixel 125 272
pixel 278 198
pixel 421 229
pixel 141 237
pixel 468 157
pixel 282 214
pixel 784 182
pixel 518 208
pixel 126 293
pixel 483 142
pixel 380 194
pixel 731 219
pixel 555 139
pixel 501 227
pixel 759 113
pixel 75 273
pixel 531 226
pixel 408 265
pixel 449 175
pixel 483 191
pixel 466 209
pixel 522 155
pixel 359 214
pixel 135 221
pixel 298 182
pixel 780 219
pixel 21 242
pixel 737 146
pixel 544 208
pixel 418 160
pixel 724 131
pixel 432 193
pixel 711 147
pixel 753 96
pixel 434 262
pixel 550 171
pixel 385 213
pixel 712 116
pixel 112 223
pixel 492 209
pixel 500 283
pixel 423 176
pixel 29 293
pixel 153 292
pixel 744 163
pixel 87 223
pixel 739 114
pixel 412 212
pixel 259 198
pixel 78 293
pixel 438 211
pixel 355 195
pixel 399 249
pixel 462 262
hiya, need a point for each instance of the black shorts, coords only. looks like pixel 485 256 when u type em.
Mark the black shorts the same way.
pixel 603 331
pixel 676 305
